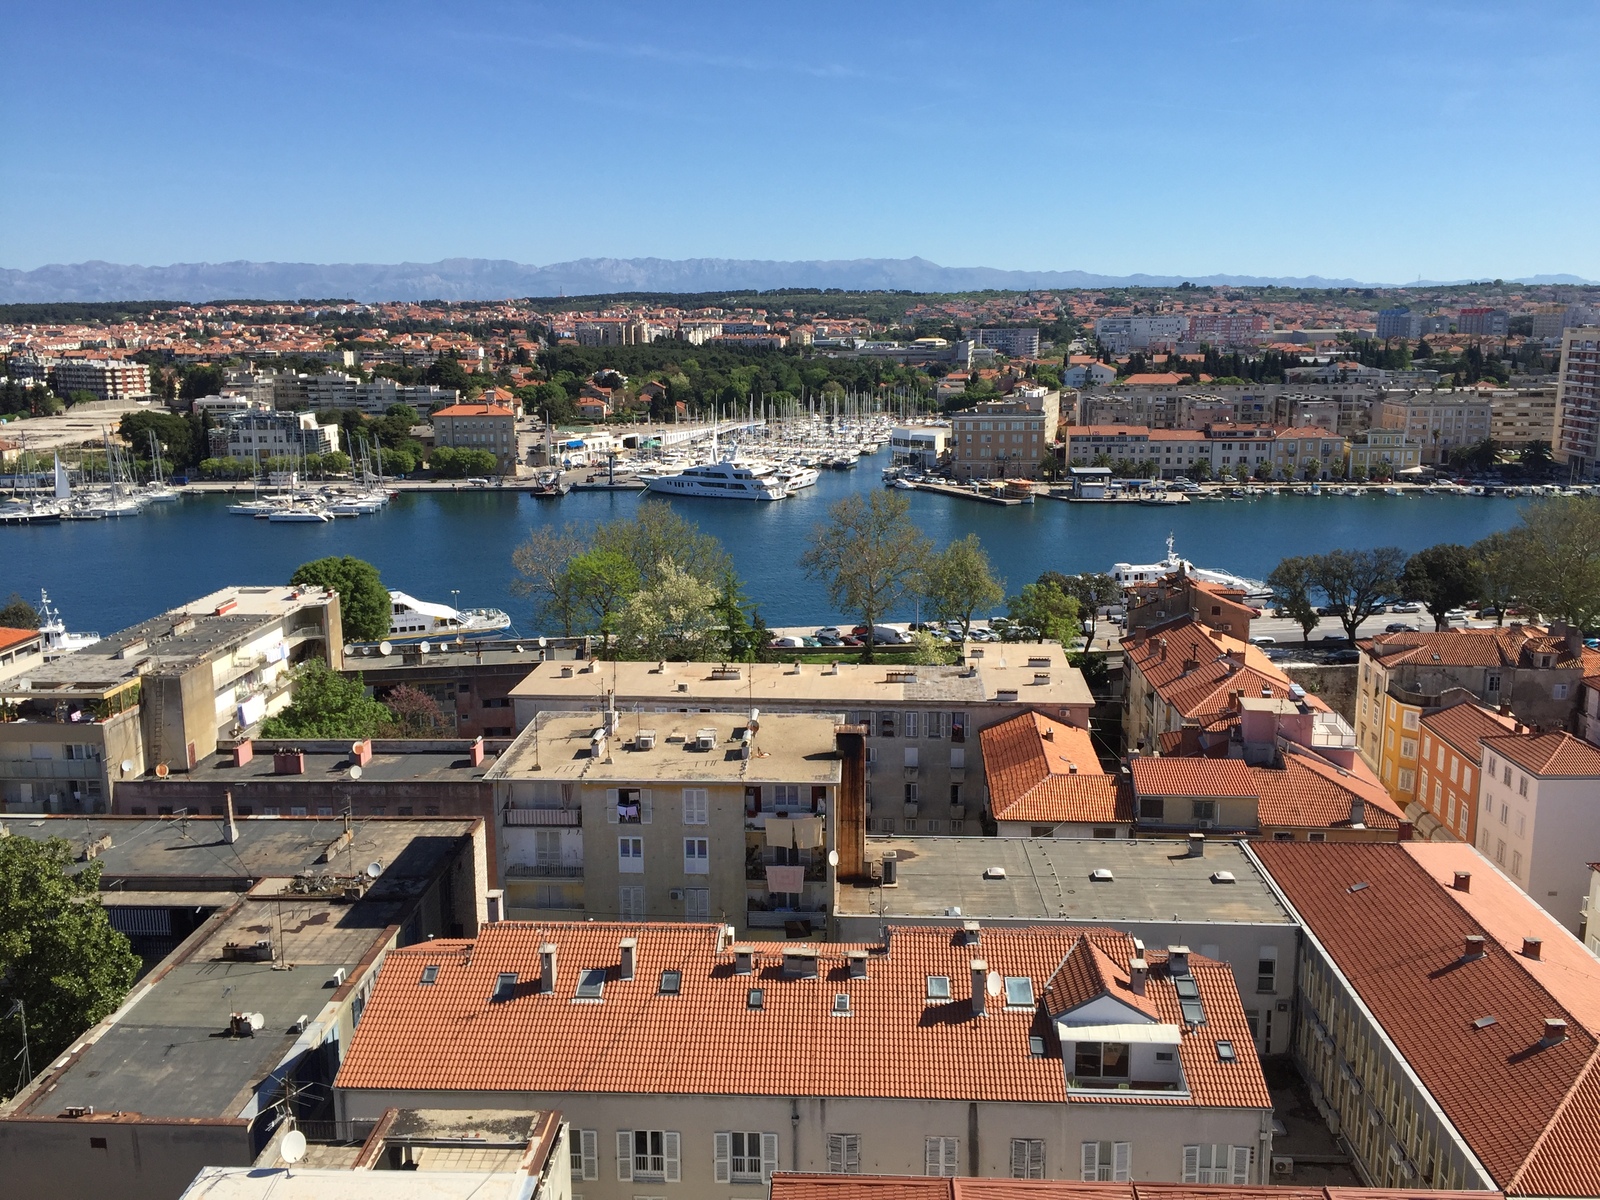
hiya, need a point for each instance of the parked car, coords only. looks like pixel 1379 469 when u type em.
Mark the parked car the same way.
pixel 1407 606
pixel 1331 610
pixel 847 640
pixel 786 643
pixel 984 635
pixel 1456 614
pixel 1398 627
pixel 1345 656
pixel 828 631
pixel 860 631
pixel 1262 639
pixel 888 635
pixel 1488 610
pixel 829 639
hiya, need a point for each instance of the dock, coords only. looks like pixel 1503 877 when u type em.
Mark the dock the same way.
pixel 961 493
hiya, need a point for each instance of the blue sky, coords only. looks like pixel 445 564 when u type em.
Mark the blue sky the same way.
pixel 1381 141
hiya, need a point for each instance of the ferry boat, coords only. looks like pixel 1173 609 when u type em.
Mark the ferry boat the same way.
pixel 412 619
pixel 1130 575
pixel 728 480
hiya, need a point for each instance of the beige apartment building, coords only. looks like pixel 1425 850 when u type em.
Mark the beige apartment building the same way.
pixel 491 427
pixel 690 1063
pixel 1525 415
pixel 924 760
pixel 1384 451
pixel 1578 400
pixel 157 697
pixel 1001 439
pixel 671 817
pixel 1438 422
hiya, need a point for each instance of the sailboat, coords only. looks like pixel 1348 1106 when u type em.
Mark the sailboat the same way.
pixel 157 489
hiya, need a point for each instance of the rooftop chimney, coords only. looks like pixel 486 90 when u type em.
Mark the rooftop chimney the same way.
pixel 1462 881
pixel 1407 830
pixel 627 947
pixel 856 963
pixel 1555 1031
pixel 980 979
pixel 1475 943
pixel 1163 645
pixel 1177 960
pixel 494 906
pixel 1197 845
pixel 1532 947
pixel 1358 810
pixel 744 959
pixel 547 968
pixel 1138 972
pixel 230 831
pixel 970 935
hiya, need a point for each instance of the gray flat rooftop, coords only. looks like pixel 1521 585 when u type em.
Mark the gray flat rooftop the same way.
pixel 417 767
pixel 1048 879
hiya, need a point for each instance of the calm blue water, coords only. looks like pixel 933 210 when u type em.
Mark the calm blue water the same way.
pixel 109 574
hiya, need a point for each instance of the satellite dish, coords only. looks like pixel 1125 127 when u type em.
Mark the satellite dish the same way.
pixel 993 985
pixel 385 649
pixel 293 1148
pixel 542 643
pixel 374 869
pixel 257 1022
pixel 424 647
pixel 833 858
pixel 162 770
pixel 127 765
pixel 355 771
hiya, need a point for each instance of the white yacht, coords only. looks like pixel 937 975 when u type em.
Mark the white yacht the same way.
pixel 57 641
pixel 1130 575
pixel 412 619
pixel 798 476
pixel 731 480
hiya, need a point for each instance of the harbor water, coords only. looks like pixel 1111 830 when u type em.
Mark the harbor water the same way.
pixel 108 574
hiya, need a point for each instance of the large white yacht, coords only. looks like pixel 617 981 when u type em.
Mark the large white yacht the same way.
pixel 412 619
pixel 732 480
pixel 1130 575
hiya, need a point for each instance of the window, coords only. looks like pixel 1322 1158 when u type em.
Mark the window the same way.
pixel 743 1157
pixel 1408 719
pixel 1103 1162
pixel 630 855
pixel 1505 812
pixel 1216 1164
pixel 671 983
pixel 886 724
pixel 505 986
pixel 1516 863
pixel 958 727
pixel 1153 808
pixel 591 984
pixel 1267 969
pixel 1027 1158
pixel 1408 747
pixel 755 998
pixel 1558 691
pixel 941 1155
pixel 1101 1060
pixel 1522 785
pixel 1225 1052
pixel 1408 779
pixel 629 806
pixel 1508 775
pixel 1500 853
pixel 696 856
pixel 585 1153
pixel 1019 992
pixel 911 793
pixel 844 1154
pixel 1205 810
pixel 648 1155
pixel 786 795
pixel 630 903
pixel 430 975
pixel 695 805
pixel 913 724
pixel 697 902
pixel 938 987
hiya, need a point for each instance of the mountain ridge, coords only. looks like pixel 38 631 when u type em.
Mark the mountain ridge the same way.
pixel 500 279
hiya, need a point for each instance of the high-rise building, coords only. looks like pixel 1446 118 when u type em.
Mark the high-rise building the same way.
pixel 1399 322
pixel 1014 343
pixel 1578 399
pixel 1483 322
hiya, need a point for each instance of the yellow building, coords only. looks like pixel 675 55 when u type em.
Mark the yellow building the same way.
pixel 1378 450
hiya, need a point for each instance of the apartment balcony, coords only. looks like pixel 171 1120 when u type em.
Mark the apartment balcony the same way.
pixel 756 872
pixel 544 871
pixel 50 768
pixel 571 817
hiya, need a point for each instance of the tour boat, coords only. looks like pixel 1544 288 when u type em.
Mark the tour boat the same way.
pixel 412 619
pixel 727 480
pixel 1131 575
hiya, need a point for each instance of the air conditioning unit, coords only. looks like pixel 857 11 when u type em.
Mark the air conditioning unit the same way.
pixel 1206 824
pixel 705 739
pixel 1282 1166
pixel 676 893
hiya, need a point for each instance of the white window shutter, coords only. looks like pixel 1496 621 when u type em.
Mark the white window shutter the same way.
pixel 769 1156
pixel 1239 1161
pixel 625 1155
pixel 1090 1167
pixel 1019 1158
pixel 589 1143
pixel 952 1154
pixel 1122 1162
pixel 852 1154
pixel 930 1155
pixel 1191 1164
pixel 721 1151
pixel 646 807
pixel 669 1143
pixel 612 816
pixel 836 1154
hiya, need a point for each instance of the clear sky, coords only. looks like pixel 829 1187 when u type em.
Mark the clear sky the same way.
pixel 1381 141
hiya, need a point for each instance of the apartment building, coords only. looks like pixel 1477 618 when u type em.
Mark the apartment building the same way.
pixel 375 397
pixel 1535 673
pixel 1438 422
pixel 1010 438
pixel 1578 400
pixel 685 1060
pixel 1122 334
pixel 1308 452
pixel 1013 343
pixel 1482 321
pixel 1384 452
pixel 1444 805
pixel 1399 322
pixel 106 378
pixel 1042 778
pixel 1085 375
pixel 1341 408
pixel 259 436
pixel 1458 1048
pixel 157 696
pixel 1538 815
pixel 921 446
pixel 1086 443
pixel 1226 329
pixel 1180 594
pixel 660 817
pixel 924 758
pixel 1518 418
pixel 491 427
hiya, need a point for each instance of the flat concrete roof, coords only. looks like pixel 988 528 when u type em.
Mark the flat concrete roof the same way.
pixel 420 766
pixel 310 1183
pixel 788 748
pixel 1048 879
pixel 989 670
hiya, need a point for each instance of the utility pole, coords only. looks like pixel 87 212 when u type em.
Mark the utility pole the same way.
pixel 25 1077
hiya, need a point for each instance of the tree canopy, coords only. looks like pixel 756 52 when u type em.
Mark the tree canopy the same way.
pixel 18 614
pixel 1358 583
pixel 1092 590
pixel 868 556
pixel 1557 552
pixel 958 582
pixel 1292 581
pixel 329 705
pixel 1442 577
pixel 364 608
pixel 1046 613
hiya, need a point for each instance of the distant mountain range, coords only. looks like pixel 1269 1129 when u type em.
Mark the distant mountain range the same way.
pixel 499 279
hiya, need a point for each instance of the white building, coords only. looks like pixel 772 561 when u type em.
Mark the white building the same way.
pixel 922 446
pixel 1122 334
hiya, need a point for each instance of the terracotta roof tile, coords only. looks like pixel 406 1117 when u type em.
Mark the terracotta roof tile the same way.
pixel 1224 777
pixel 1464 725
pixel 1028 765
pixel 15 637
pixel 1308 793
pixel 1547 754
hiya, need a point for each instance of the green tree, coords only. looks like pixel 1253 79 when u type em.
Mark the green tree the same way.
pixel 328 705
pixel 1536 456
pixel 173 433
pixel 541 564
pixel 868 555
pixel 1291 582
pixel 1046 613
pixel 364 608
pixel 739 620
pixel 58 953
pixel 1443 577
pixel 927 650
pixel 602 582
pixel 1499 564
pixel 958 582
pixel 1093 590
pixel 201 380
pixel 657 534
pixel 18 614
pixel 1358 582
pixel 415 714
pixel 676 619
pixel 1558 545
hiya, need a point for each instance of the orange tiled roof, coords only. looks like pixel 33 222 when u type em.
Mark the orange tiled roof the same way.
pixel 1088 973
pixel 1547 754
pixel 1307 793
pixel 1510 646
pixel 1529 1111
pixel 1028 764
pixel 1224 777
pixel 706 1040
pixel 474 410
pixel 15 637
pixel 1464 726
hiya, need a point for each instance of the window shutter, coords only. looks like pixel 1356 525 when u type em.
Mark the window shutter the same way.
pixel 669 1143
pixel 589 1142
pixel 1239 1160
pixel 721 1151
pixel 1191 1164
pixel 1019 1158
pixel 1036 1159
pixel 625 1155
pixel 1121 1162
pixel 836 1154
pixel 769 1156
pixel 930 1156
pixel 646 807
pixel 611 806
pixel 1090 1167
pixel 852 1154
pixel 952 1152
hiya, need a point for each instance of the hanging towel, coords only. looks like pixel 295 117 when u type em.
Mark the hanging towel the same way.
pixel 780 832
pixel 786 879
pixel 808 833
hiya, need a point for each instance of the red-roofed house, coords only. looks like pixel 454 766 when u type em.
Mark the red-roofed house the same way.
pixel 1446 803
pixel 1044 780
pixel 686 1060
pixel 491 427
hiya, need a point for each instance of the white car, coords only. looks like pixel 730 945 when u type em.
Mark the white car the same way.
pixel 787 643
pixel 1407 606
pixel 829 631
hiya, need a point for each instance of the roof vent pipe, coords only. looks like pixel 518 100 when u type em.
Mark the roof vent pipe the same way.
pixel 547 968
pixel 1532 947
pixel 1475 943
pixel 1463 881
pixel 628 946
pixel 980 979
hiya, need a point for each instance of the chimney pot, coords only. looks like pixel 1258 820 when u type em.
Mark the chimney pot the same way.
pixel 744 959
pixel 1177 960
pixel 1463 881
pixel 970 933
pixel 1138 972
pixel 1197 845
pixel 495 902
pixel 1475 944
pixel 1532 947
pixel 547 968
pixel 1555 1030
pixel 628 946
pixel 980 980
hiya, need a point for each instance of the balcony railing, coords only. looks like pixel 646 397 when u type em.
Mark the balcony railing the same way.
pixel 49 768
pixel 544 816
pixel 544 871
